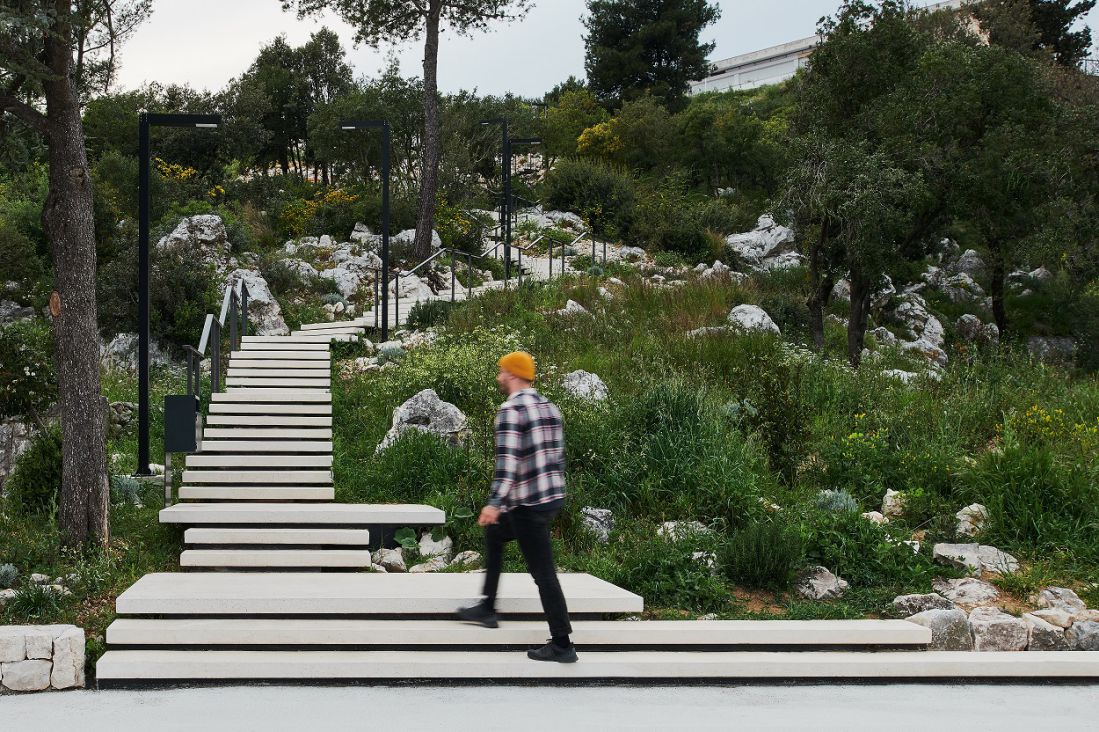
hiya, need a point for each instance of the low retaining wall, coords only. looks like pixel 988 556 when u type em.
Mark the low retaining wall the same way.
pixel 41 657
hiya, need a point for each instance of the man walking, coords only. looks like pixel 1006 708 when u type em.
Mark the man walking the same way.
pixel 528 491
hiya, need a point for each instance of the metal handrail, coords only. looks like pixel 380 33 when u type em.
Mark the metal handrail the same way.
pixel 234 313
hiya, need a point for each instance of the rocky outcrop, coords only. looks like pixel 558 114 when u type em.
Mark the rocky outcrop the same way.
pixel 967 592
pixel 1057 350
pixel 972 330
pixel 817 583
pixel 408 236
pixel 768 241
pixel 121 353
pixel 599 521
pixel 995 630
pixel 976 558
pixel 264 313
pixel 202 238
pixel 15 438
pixel 971 520
pixel 11 312
pixel 752 318
pixel 949 629
pixel 925 334
pixel 905 605
pixel 426 412
pixel 585 385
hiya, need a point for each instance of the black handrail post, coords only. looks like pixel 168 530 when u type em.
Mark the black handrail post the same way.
pixel 144 123
pixel 551 259
pixel 234 345
pixel 453 277
pixel 243 308
pixel 520 266
pixel 604 253
pixel 386 145
pixel 215 362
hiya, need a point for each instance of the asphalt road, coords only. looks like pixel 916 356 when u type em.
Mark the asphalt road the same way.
pixel 772 707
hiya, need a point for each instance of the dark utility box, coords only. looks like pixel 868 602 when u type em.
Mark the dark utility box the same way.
pixel 180 423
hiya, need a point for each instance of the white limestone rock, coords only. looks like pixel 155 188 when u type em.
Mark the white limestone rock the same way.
pixel 1061 598
pixel 363 235
pixel 573 308
pixel 27 675
pixel 1055 616
pixel 599 521
pixel 429 547
pixel 585 385
pixel 875 517
pixel 68 659
pixel 969 263
pixel 905 377
pixel 408 236
pixel 782 262
pixel 300 267
pixel 1083 635
pixel 817 583
pixel 15 438
pixel 631 254
pixel 121 353
pixel 995 630
pixel 962 288
pixel 767 240
pixel 976 558
pixel 679 530
pixel 13 644
pixel 7 596
pixel 1044 636
pixel 752 318
pixel 432 565
pixel 967 592
pixel 426 412
pixel 971 520
pixel 949 629
pixel 885 291
pixel 1052 349
pixel 390 560
pixel 202 238
pixel 39 644
pixel 40 579
pixel 883 336
pixel 264 313
pixel 11 312
pixel 914 315
pixel 468 559
pixel 972 330
pixel 892 504
pixel 565 220
pixel 412 288
pixel 905 605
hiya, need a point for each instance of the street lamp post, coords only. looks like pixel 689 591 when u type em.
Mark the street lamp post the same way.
pixel 505 203
pixel 146 121
pixel 383 125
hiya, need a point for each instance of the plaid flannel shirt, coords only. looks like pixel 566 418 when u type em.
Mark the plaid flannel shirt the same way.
pixel 530 452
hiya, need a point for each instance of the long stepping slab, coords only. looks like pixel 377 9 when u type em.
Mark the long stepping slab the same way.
pixel 269 420
pixel 356 323
pixel 273 537
pixel 368 633
pixel 235 383
pixel 273 435
pixel 245 366
pixel 264 446
pixel 271 410
pixel 275 558
pixel 356 594
pixel 275 514
pixel 444 666
pixel 294 340
pixel 319 356
pixel 257 493
pixel 276 397
pixel 258 477
pixel 286 372
pixel 203 460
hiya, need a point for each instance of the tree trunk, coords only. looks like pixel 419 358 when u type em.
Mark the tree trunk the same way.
pixel 68 222
pixel 997 287
pixel 861 293
pixel 821 282
pixel 429 179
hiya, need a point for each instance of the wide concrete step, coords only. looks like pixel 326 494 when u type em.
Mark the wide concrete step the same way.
pixel 271 396
pixel 268 421
pixel 357 594
pixel 270 409
pixel 294 340
pixel 317 356
pixel 370 633
pixel 235 383
pixel 265 446
pixel 274 514
pixel 273 434
pixel 356 323
pixel 259 461
pixel 339 329
pixel 257 493
pixel 284 345
pixel 276 558
pixel 279 372
pixel 295 537
pixel 258 477
pixel 487 666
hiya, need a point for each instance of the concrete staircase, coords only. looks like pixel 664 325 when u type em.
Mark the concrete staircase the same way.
pixel 274 589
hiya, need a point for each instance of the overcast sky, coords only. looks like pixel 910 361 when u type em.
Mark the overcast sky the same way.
pixel 205 43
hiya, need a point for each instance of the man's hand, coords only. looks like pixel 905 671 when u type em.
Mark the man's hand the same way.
pixel 489 515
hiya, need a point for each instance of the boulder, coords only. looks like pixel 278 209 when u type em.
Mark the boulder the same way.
pixel 426 412
pixel 967 592
pixel 585 385
pixel 27 675
pixel 1083 636
pixel 300 267
pixel 994 630
pixel 679 530
pixel 768 239
pixel 883 336
pixel 573 308
pixel 466 559
pixel 432 565
pixel 969 263
pixel 202 238
pixel 875 517
pixel 817 583
pixel 971 329
pixel 15 438
pixel 1061 598
pixel 391 560
pixel 7 596
pixel 752 318
pixel 442 548
pixel 362 234
pixel 1055 616
pixel 411 287
pixel 565 220
pixel 11 312
pixel 1044 636
pixel 347 280
pixel 1052 349
pixel 962 288
pixel 599 521
pixel 905 605
pixel 892 504
pixel 781 262
pixel 885 291
pixel 976 558
pixel 121 353
pixel 915 317
pixel 264 313
pixel 631 254
pixel 949 629
pixel 408 236
pixel 905 377
pixel 971 520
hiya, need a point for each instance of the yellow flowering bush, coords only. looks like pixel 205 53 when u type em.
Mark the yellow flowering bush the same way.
pixel 326 212
pixel 1052 427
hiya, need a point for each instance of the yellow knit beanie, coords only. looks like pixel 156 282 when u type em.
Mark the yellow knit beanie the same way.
pixel 519 363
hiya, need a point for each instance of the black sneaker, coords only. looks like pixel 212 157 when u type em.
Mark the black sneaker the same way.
pixel 480 615
pixel 550 652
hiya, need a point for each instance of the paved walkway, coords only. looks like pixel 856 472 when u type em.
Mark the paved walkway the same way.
pixel 797 707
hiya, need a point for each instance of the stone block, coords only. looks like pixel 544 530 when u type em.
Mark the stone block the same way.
pixel 1083 636
pixel 1044 636
pixel 906 605
pixel 949 629
pixel 995 630
pixel 27 675
pixel 39 644
pixel 13 645
pixel 68 660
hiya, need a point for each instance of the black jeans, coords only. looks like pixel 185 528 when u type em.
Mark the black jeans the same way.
pixel 530 528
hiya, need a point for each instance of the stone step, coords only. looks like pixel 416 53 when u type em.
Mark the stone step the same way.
pixel 279 372
pixel 279 460
pixel 271 396
pixel 269 421
pixel 270 409
pixel 356 323
pixel 357 594
pixel 294 340
pixel 264 446
pixel 296 537
pixel 242 366
pixel 236 383
pixel 274 514
pixel 283 344
pixel 273 354
pixel 258 477
pixel 257 493
pixel 337 329
pixel 487 666
pixel 276 558
pixel 366 633
pixel 274 434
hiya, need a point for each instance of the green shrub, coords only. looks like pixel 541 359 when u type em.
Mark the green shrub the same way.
pixel 601 194
pixel 35 602
pixel 764 554
pixel 35 485
pixel 28 382
pixel 866 554
pixel 832 501
pixel 428 314
pixel 19 260
pixel 125 489
pixel 8 575
pixel 668 574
